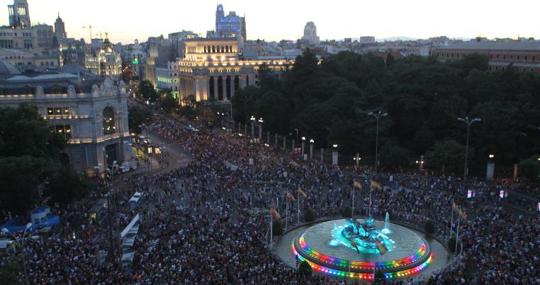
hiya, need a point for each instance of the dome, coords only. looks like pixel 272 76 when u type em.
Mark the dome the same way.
pixel 8 69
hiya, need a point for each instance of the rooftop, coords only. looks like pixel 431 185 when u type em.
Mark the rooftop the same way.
pixel 492 45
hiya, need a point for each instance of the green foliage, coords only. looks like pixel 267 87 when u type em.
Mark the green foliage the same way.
pixel 66 186
pixel 24 132
pixel 329 102
pixel 167 102
pixel 448 155
pixel 309 215
pixel 148 92
pixel 530 168
pixel 138 116
pixel 277 228
pixel 304 269
pixel 20 178
pixel 429 227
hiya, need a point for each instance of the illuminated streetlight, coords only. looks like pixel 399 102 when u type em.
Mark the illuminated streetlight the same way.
pixel 468 121
pixel 377 115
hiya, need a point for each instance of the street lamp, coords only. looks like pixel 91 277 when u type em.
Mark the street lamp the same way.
pixel 468 122
pixel 377 115
pixel 311 142
pixel 303 145
pixel 261 121
pixel 357 159
pixel 335 154
pixel 252 119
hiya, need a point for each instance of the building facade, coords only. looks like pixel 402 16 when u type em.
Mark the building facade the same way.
pixel 27 60
pixel 212 69
pixel 522 55
pixel 60 29
pixel 19 15
pixel 104 61
pixel 91 114
pixel 310 34
pixel 230 26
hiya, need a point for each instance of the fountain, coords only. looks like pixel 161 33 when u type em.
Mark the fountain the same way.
pixel 386 230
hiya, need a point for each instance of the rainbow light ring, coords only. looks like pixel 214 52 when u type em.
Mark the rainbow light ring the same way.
pixel 395 269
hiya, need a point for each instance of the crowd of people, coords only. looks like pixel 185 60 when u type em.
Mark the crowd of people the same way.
pixel 207 223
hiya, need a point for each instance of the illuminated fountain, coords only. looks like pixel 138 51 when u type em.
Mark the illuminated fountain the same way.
pixel 352 248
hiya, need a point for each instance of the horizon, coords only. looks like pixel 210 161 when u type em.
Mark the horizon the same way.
pixel 416 19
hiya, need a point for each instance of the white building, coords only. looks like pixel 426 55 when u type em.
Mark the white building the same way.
pixel 91 113
pixel 310 34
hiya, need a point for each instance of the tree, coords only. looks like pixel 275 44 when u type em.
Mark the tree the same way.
pixel 137 117
pixel 393 156
pixel 148 92
pixel 20 178
pixel 530 168
pixel 167 102
pixel 446 156
pixel 66 186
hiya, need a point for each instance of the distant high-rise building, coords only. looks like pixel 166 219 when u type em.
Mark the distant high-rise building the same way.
pixel 310 34
pixel 230 26
pixel 367 40
pixel 60 28
pixel 19 16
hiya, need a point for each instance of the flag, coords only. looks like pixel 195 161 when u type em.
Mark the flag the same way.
pixel 375 185
pixel 290 197
pixel 357 184
pixel 275 214
pixel 301 192
pixel 381 247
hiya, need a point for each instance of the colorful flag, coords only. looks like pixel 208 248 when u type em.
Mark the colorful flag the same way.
pixel 357 184
pixel 290 197
pixel 275 214
pixel 301 192
pixel 381 247
pixel 375 185
pixel 459 211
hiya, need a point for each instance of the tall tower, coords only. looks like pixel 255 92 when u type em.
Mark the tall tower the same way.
pixel 60 28
pixel 19 15
pixel 220 14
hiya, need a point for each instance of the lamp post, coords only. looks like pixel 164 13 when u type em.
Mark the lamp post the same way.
pixel 490 168
pixel 335 154
pixel 468 122
pixel 261 121
pixel 252 119
pixel 311 142
pixel 377 115
pixel 357 159
pixel 303 145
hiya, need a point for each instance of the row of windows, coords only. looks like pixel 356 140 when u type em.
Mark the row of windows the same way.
pixel 47 63
pixel 58 111
pixel 63 130
pixel 492 56
pixel 218 49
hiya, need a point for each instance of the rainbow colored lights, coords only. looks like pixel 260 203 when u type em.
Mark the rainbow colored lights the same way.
pixel 395 269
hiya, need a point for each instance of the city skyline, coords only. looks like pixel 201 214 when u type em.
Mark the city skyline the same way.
pixel 344 19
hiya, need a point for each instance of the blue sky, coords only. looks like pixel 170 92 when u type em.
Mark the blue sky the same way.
pixel 126 20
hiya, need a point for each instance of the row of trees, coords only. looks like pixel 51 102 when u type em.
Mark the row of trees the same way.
pixel 330 103
pixel 33 164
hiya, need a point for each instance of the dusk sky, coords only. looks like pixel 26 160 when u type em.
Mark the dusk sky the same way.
pixel 285 19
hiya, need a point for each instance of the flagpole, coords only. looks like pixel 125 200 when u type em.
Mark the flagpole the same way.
pixel 298 209
pixel 370 190
pixel 457 234
pixel 451 220
pixel 271 230
pixel 286 213
pixel 352 212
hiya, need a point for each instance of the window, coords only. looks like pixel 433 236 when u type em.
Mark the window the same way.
pixel 50 111
pixel 109 123
pixel 63 130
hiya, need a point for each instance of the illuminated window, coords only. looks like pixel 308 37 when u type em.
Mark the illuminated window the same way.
pixel 109 124
pixel 50 111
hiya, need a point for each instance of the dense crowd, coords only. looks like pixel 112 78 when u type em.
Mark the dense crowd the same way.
pixel 207 223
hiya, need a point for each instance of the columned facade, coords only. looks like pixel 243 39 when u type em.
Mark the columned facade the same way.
pixel 213 70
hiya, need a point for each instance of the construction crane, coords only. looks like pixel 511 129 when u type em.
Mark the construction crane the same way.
pixel 90 30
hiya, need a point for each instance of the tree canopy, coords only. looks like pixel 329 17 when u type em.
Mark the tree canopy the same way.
pixel 329 100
